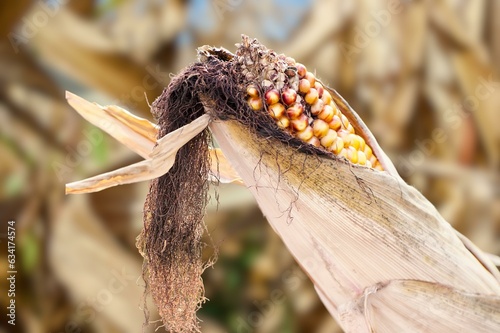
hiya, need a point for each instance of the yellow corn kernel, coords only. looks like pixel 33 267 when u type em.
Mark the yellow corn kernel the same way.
pixel 352 155
pixel 312 96
pixel 329 139
pixel 314 141
pixel 276 110
pixel 337 146
pixel 350 129
pixel 300 123
pixel 312 79
pixel 304 86
pixel 368 152
pixel 361 158
pixel 255 103
pixel 252 91
pixel 336 123
pixel 343 153
pixel 327 97
pixel 317 107
pixel 306 134
pixel 345 121
pixel 283 122
pixel 320 128
pixel 326 114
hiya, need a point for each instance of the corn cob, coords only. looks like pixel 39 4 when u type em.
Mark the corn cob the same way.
pixel 299 103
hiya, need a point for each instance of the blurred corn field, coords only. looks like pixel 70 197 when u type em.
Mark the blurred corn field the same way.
pixel 424 75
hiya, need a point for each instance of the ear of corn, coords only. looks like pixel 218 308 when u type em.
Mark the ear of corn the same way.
pixel 304 101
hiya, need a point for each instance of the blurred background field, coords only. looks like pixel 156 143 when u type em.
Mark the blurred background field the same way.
pixel 424 75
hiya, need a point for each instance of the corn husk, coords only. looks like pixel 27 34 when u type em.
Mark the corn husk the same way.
pixel 381 257
pixel 139 135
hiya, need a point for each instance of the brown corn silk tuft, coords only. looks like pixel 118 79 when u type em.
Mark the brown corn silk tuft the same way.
pixel 173 212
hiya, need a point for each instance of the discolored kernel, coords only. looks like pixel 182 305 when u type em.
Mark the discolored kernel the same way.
pixel 272 96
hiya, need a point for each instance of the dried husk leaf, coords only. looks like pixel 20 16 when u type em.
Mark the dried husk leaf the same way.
pixel 160 161
pixel 139 135
pixel 136 133
pixel 351 228
pixel 400 306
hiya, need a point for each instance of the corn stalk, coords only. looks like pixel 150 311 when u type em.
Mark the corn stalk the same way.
pixel 380 255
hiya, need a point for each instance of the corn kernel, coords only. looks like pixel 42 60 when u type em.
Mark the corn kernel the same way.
pixel 283 122
pixel 320 128
pixel 343 134
pixel 306 134
pixel 368 152
pixel 336 110
pixel 327 97
pixel 255 103
pixel 319 87
pixel 276 110
pixel 345 121
pixel 355 141
pixel 329 139
pixel 326 114
pixel 294 111
pixel 343 153
pixel 288 96
pixel 352 154
pixel 350 129
pixel 272 96
pixel 312 79
pixel 304 86
pixel 314 141
pixel 317 107
pixel 312 96
pixel 252 91
pixel 362 143
pixel 301 70
pixel 361 158
pixel 350 140
pixel 300 123
pixel 337 146
pixel 336 123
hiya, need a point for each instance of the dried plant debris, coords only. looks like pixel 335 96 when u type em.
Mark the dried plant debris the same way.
pixel 269 95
